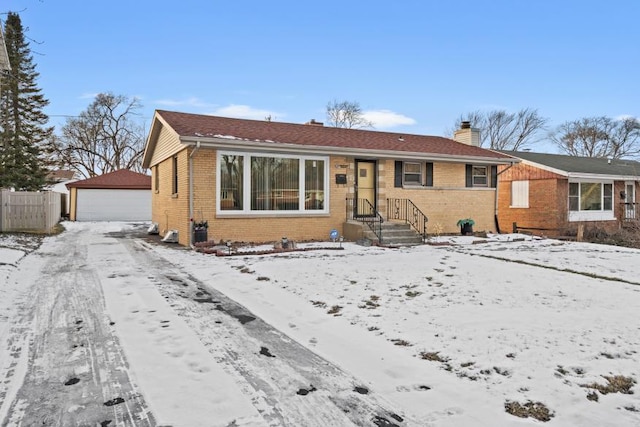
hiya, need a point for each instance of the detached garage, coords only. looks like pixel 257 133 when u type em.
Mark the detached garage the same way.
pixel 122 195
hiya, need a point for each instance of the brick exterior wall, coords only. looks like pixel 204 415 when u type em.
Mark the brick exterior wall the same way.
pixel 548 203
pixel 171 212
pixel 443 204
pixel 447 201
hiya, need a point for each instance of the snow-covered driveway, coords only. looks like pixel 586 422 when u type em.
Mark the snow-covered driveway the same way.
pixel 103 331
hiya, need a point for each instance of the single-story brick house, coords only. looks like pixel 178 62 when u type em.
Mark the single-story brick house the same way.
pixel 122 195
pixel 258 181
pixel 552 193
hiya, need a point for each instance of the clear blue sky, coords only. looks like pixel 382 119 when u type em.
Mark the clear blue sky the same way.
pixel 414 65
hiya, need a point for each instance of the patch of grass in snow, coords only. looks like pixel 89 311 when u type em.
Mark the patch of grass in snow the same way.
pixel 320 304
pixel 400 342
pixel 371 303
pixel 615 384
pixel 608 355
pixel 433 356
pixel 592 396
pixel 412 294
pixel 335 310
pixel 529 409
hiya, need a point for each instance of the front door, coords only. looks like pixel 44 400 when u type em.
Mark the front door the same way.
pixel 630 211
pixel 365 201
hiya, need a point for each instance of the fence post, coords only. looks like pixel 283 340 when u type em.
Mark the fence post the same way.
pixel 515 228
pixel 2 209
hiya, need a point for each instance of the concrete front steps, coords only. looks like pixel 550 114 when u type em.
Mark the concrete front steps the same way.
pixel 393 233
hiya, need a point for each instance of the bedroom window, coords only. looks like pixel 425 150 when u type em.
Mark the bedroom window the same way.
pixel 479 176
pixel 412 173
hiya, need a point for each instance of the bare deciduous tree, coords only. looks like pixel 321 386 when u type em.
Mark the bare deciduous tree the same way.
pixel 104 138
pixel 346 114
pixel 599 137
pixel 500 130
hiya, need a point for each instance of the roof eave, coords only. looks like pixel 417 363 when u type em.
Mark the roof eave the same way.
pixel 607 177
pixel 275 147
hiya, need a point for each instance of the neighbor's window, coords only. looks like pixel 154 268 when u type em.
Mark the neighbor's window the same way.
pixel 174 186
pixel 271 183
pixel 590 196
pixel 479 176
pixel 412 173
pixel 520 194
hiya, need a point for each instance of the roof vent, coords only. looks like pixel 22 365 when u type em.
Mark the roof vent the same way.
pixel 313 122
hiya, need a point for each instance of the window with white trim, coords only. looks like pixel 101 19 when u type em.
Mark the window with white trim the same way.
pixel 590 196
pixel 591 201
pixel 479 176
pixel 253 183
pixel 520 194
pixel 412 174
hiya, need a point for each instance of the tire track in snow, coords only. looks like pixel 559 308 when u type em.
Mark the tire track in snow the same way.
pixel 289 384
pixel 75 363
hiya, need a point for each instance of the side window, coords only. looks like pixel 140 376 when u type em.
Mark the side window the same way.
pixel 479 176
pixel 156 179
pixel 174 180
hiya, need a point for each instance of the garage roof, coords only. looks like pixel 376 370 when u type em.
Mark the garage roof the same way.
pixel 122 178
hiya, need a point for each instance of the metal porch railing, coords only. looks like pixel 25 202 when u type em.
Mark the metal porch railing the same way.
pixel 406 210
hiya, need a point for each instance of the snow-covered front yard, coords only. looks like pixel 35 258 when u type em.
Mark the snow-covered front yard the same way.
pixel 448 335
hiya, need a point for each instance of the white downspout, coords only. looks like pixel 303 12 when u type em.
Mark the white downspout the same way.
pixel 191 192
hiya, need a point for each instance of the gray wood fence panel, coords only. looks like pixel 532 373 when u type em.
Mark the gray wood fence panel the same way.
pixel 29 211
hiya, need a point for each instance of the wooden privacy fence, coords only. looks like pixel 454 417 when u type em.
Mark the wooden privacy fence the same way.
pixel 29 211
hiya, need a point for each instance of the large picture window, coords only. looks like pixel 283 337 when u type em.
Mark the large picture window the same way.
pixel 268 183
pixel 590 201
pixel 590 196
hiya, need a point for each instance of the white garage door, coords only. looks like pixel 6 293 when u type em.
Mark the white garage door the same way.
pixel 113 205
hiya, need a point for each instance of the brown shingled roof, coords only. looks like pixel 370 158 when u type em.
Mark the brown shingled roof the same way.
pixel 60 175
pixel 196 125
pixel 123 179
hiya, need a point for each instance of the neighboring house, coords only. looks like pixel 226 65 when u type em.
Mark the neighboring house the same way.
pixel 552 193
pixel 122 195
pixel 57 181
pixel 259 181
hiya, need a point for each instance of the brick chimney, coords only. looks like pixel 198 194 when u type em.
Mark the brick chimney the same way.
pixel 313 122
pixel 467 135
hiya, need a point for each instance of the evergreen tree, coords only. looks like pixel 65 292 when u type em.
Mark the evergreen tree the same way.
pixel 23 130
